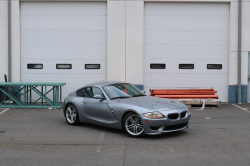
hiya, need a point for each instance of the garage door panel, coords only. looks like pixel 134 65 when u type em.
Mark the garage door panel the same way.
pixel 186 23
pixel 63 8
pixel 193 51
pixel 184 9
pixel 49 66
pixel 64 51
pixel 64 33
pixel 63 37
pixel 73 80
pixel 183 80
pixel 186 33
pixel 172 66
pixel 64 22
pixel 186 37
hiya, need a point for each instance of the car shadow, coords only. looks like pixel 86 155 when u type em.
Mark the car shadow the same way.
pixel 122 133
pixel 166 135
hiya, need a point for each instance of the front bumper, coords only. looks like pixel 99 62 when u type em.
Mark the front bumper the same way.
pixel 164 125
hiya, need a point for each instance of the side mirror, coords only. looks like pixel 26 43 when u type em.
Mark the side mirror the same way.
pixel 98 97
pixel 143 92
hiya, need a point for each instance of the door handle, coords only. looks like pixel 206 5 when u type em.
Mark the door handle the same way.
pixel 248 77
pixel 84 102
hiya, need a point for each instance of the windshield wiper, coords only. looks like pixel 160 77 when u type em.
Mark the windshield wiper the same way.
pixel 139 95
pixel 120 97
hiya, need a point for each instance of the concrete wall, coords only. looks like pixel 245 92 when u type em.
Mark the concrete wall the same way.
pixel 3 39
pixel 233 56
pixel 116 60
pixel 134 41
pixel 233 52
pixel 125 41
pixel 125 25
pixel 15 41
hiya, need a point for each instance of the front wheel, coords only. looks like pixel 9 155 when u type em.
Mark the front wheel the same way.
pixel 132 125
pixel 71 115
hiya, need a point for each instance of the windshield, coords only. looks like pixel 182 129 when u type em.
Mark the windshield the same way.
pixel 122 90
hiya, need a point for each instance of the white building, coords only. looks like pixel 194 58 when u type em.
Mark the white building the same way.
pixel 126 41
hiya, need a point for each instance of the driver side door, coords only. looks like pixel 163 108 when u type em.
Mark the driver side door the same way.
pixel 95 110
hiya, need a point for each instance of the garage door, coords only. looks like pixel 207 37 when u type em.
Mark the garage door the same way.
pixel 63 42
pixel 186 46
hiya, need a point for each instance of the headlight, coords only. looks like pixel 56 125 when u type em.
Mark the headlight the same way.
pixel 153 115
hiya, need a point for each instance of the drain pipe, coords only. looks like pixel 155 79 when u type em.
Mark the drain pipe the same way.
pixel 239 49
pixel 9 40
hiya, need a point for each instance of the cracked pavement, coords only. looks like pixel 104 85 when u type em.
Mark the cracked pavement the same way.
pixel 217 136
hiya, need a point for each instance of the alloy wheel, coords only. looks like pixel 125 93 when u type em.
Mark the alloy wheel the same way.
pixel 133 125
pixel 71 114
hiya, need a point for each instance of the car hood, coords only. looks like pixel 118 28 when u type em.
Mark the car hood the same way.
pixel 153 103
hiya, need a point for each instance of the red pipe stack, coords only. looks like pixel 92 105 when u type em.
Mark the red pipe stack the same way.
pixel 184 93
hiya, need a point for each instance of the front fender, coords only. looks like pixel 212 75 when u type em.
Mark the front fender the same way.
pixel 120 109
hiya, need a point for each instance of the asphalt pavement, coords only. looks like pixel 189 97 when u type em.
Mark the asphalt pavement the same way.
pixel 216 136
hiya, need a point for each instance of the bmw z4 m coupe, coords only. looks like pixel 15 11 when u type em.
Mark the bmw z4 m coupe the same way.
pixel 121 105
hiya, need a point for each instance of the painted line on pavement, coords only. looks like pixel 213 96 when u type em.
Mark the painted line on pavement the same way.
pixel 241 108
pixel 4 111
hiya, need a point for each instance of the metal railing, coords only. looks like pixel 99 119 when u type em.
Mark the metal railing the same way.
pixel 30 95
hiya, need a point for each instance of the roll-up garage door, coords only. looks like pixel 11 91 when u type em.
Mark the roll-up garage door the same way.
pixel 66 39
pixel 186 46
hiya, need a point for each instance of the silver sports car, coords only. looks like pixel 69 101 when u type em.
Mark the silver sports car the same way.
pixel 123 106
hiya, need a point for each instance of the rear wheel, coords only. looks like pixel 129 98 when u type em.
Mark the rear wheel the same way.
pixel 71 115
pixel 132 125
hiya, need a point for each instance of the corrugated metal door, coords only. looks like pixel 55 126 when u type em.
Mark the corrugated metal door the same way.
pixel 63 33
pixel 187 33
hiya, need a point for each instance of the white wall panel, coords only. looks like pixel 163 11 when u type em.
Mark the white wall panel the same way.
pixel 186 37
pixel 245 26
pixel 15 41
pixel 234 26
pixel 64 8
pixel 177 51
pixel 64 51
pixel 244 68
pixel 233 58
pixel 134 41
pixel 187 33
pixel 66 37
pixel 3 39
pixel 186 22
pixel 116 41
pixel 64 22
pixel 184 9
pixel 183 81
pixel 78 66
pixel 233 69
pixel 200 66
pixel 64 33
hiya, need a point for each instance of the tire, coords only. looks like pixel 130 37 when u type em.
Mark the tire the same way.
pixel 132 125
pixel 71 115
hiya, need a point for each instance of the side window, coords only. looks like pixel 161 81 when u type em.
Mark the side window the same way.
pixel 80 93
pixel 91 91
pixel 88 92
pixel 97 91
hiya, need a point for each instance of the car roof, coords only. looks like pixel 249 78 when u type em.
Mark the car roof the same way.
pixel 103 83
